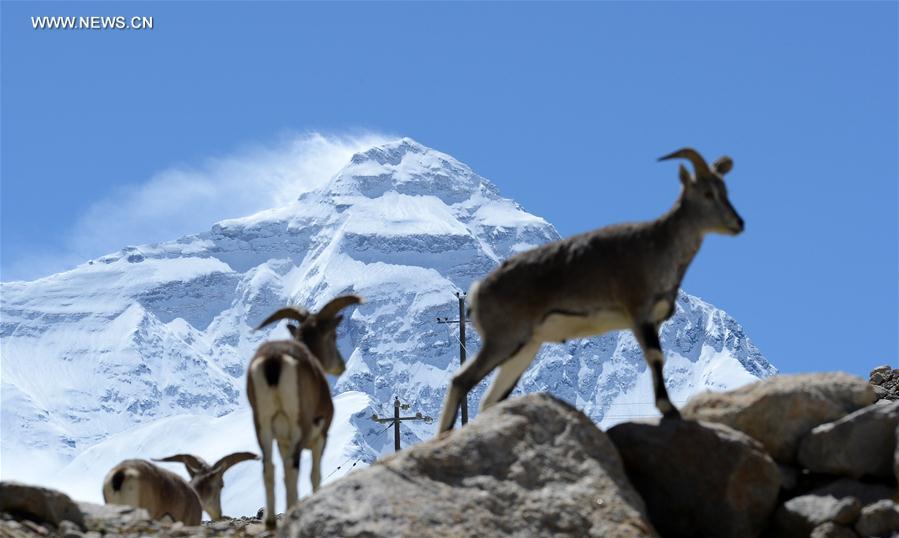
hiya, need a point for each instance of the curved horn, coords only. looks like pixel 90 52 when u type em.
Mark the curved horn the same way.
pixel 699 164
pixel 193 463
pixel 336 305
pixel 230 460
pixel 288 312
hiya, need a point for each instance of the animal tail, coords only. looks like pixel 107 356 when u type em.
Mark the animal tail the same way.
pixel 117 480
pixel 271 368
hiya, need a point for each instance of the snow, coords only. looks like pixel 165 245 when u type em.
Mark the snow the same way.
pixel 505 214
pixel 114 358
pixel 399 214
pixel 207 437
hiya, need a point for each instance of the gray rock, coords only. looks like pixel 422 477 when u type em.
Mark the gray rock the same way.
pixel 780 410
pixel 35 529
pixel 879 519
pixel 845 487
pixel 885 381
pixel 833 530
pixel 860 444
pixel 96 515
pixel 67 529
pixel 789 476
pixel 896 457
pixel 800 515
pixel 699 479
pixel 13 529
pixel 530 466
pixel 39 504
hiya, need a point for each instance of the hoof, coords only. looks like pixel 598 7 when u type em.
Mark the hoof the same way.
pixel 667 409
pixel 671 414
pixel 271 524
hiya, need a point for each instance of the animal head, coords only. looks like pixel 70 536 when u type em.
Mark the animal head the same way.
pixel 706 193
pixel 208 480
pixel 318 330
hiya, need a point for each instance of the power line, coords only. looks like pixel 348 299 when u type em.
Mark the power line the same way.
pixel 461 343
pixel 644 403
pixel 357 459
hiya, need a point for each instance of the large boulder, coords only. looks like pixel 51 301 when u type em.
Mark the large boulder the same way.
pixel 778 411
pixel 38 504
pixel 699 479
pixel 879 519
pixel 530 466
pixel 799 516
pixel 860 444
pixel 865 492
pixel 896 457
pixel 833 530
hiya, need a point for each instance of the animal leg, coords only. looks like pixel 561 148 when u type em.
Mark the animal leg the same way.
pixel 509 373
pixel 318 447
pixel 648 337
pixel 290 458
pixel 472 372
pixel 268 474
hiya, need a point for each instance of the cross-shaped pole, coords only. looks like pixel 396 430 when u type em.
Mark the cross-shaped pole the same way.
pixel 396 419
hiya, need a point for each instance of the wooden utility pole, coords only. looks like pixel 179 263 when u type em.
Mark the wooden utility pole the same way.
pixel 396 424
pixel 461 297
pixel 462 321
pixel 396 419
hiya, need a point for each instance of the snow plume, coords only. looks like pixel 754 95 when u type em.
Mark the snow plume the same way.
pixel 184 198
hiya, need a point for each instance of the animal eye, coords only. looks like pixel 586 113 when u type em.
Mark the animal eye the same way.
pixel 709 195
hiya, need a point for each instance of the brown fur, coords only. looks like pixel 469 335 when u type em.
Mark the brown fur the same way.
pixel 624 276
pixel 313 388
pixel 295 413
pixel 161 492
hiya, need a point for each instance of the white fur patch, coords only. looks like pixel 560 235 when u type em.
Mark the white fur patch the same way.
pixel 660 310
pixel 559 327
pixel 278 407
pixel 128 494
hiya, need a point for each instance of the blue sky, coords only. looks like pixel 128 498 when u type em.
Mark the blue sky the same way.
pixel 564 106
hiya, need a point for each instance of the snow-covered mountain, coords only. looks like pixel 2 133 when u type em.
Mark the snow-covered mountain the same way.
pixel 133 340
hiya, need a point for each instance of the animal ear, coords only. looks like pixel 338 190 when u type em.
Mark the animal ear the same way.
pixel 723 165
pixel 684 176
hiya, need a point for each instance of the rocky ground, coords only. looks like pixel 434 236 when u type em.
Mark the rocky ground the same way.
pixel 50 518
pixel 885 380
pixel 810 455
